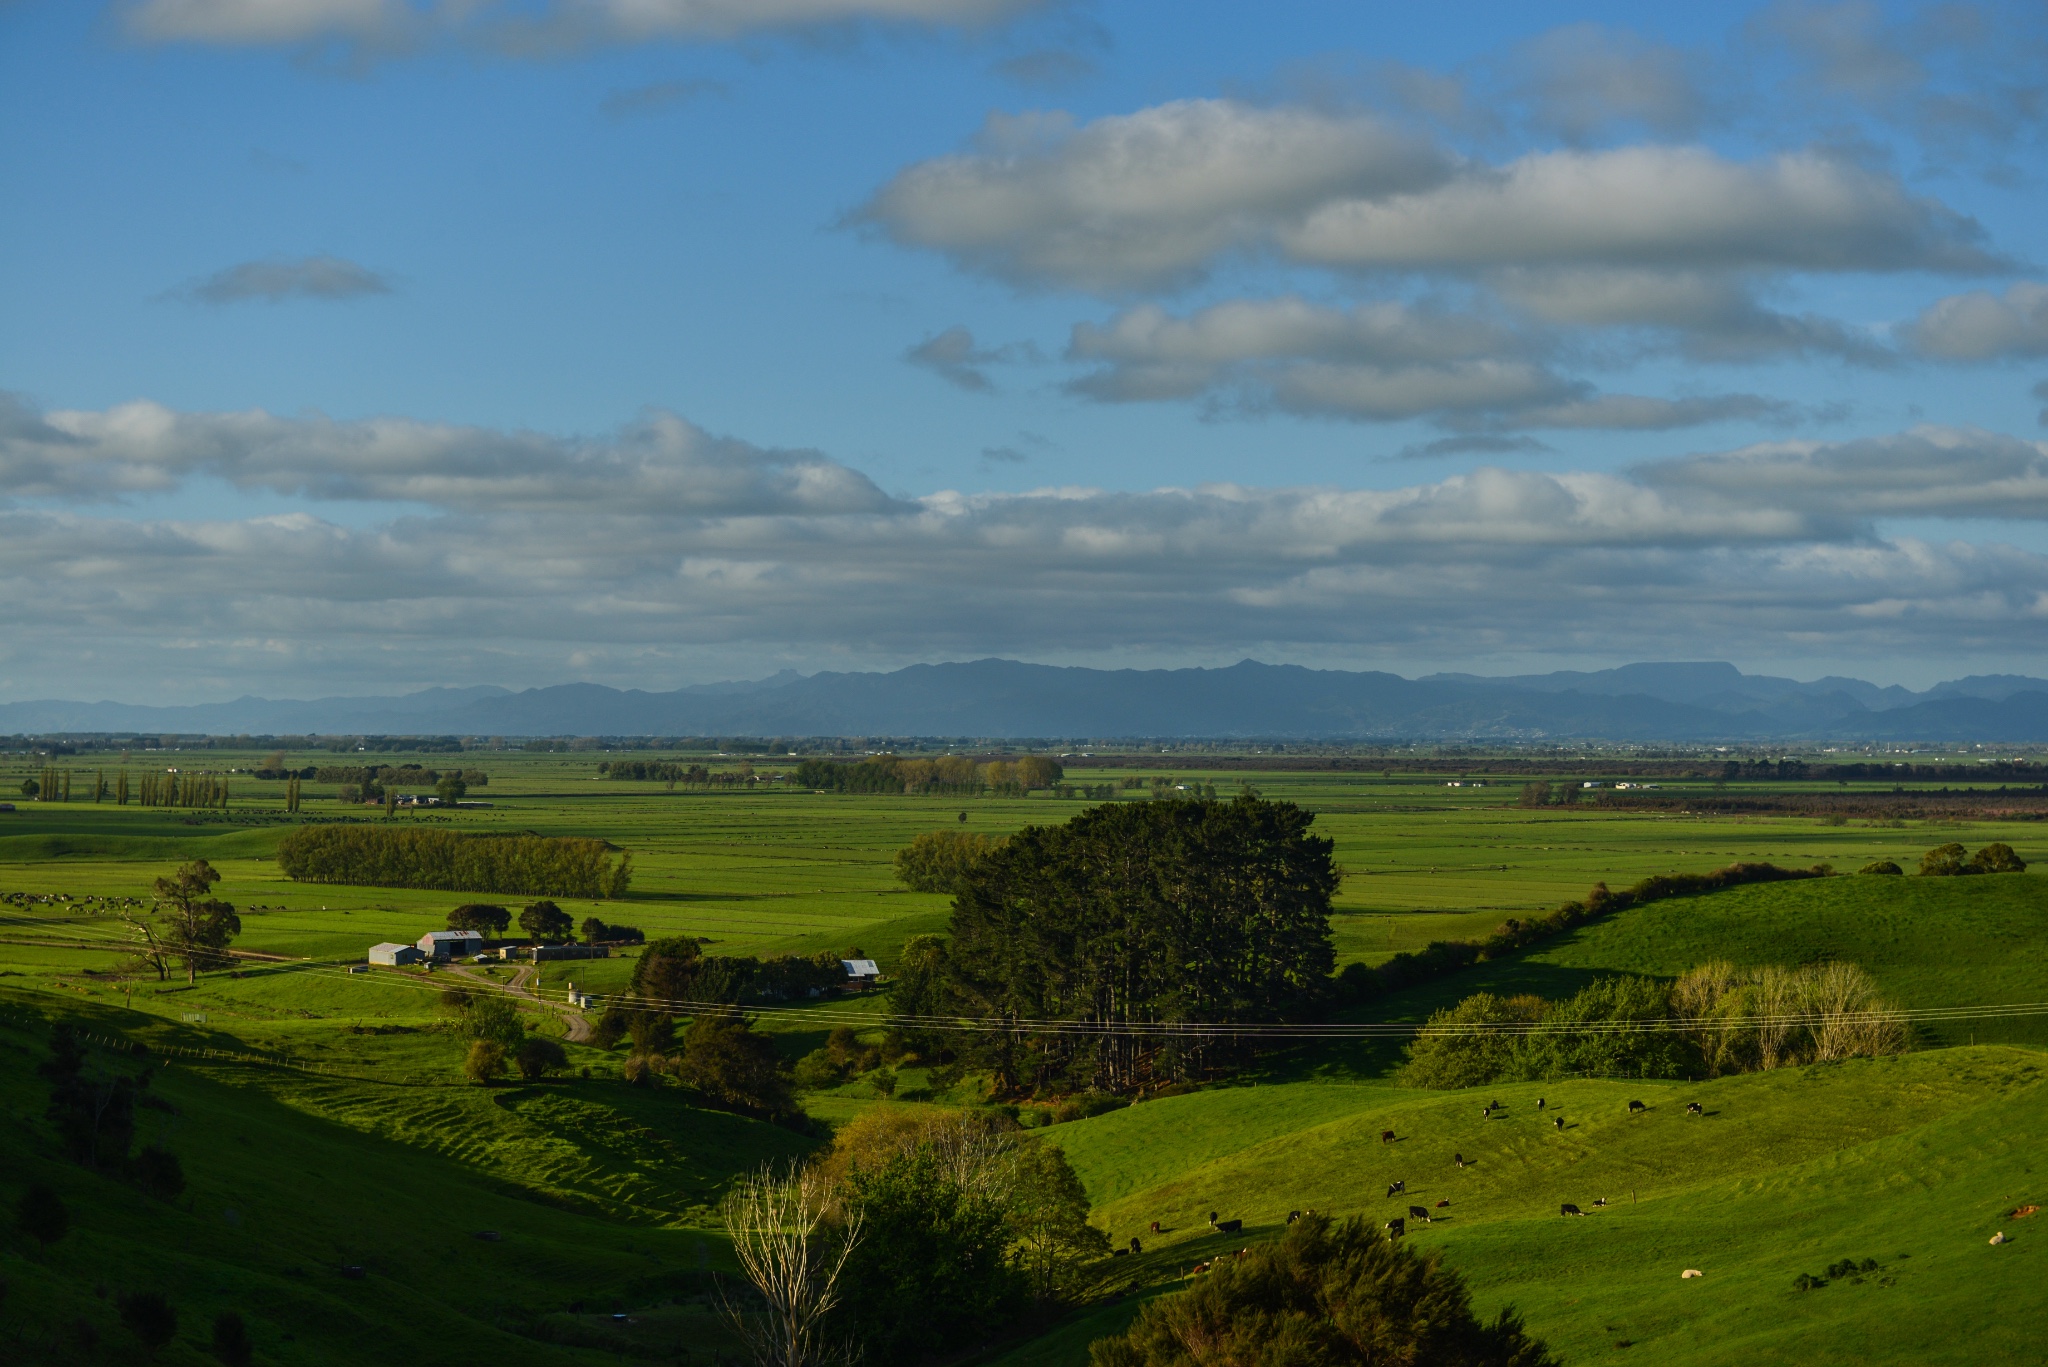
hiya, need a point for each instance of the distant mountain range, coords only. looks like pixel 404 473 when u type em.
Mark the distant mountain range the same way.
pixel 1004 698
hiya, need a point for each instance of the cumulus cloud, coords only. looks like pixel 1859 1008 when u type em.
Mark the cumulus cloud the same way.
pixel 661 464
pixel 1704 315
pixel 1155 197
pixel 1982 326
pixel 274 281
pixel 1372 362
pixel 1649 206
pixel 527 29
pixel 660 538
pixel 1926 472
pixel 1140 199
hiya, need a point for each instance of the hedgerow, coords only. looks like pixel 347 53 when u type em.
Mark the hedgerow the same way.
pixel 450 861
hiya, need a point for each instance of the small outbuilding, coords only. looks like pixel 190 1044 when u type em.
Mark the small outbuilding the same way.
pixel 860 973
pixel 448 944
pixel 394 956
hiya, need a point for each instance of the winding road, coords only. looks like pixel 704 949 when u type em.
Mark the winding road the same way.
pixel 525 984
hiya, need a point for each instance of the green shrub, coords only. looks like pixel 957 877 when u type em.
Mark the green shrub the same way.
pixel 1327 1294
pixel 1882 866
pixel 1998 858
pixel 1945 861
pixel 538 1056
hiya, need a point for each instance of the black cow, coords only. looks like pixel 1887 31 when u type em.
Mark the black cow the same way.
pixel 1459 1159
pixel 1635 1107
pixel 1386 1136
pixel 1569 1209
pixel 1559 1122
pixel 1694 1108
pixel 1292 1216
pixel 1419 1213
pixel 1396 1188
pixel 1136 1247
pixel 1229 1226
pixel 1397 1227
pixel 1539 1103
pixel 1212 1218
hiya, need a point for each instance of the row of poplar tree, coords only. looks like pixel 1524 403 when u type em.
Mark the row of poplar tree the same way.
pixel 151 790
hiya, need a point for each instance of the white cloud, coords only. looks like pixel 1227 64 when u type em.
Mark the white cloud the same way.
pixel 1140 199
pixel 311 277
pixel 1926 472
pixel 661 540
pixel 1681 207
pixel 660 465
pixel 1155 197
pixel 1981 326
pixel 1705 315
pixel 1373 362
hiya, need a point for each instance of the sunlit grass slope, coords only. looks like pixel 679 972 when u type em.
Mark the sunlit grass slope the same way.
pixel 1912 1161
pixel 1929 942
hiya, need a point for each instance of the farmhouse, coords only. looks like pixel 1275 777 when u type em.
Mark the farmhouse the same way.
pixel 393 955
pixel 447 944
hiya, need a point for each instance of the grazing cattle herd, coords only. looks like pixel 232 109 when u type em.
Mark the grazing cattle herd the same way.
pixel 1398 1226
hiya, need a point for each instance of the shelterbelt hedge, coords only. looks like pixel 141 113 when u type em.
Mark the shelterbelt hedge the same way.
pixel 453 861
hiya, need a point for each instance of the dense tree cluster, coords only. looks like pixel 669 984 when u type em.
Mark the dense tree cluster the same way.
pixel 1952 860
pixel 948 775
pixel 1329 1294
pixel 1138 914
pixel 451 861
pixel 936 861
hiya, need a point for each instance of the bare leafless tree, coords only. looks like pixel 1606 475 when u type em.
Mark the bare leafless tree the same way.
pixel 792 1243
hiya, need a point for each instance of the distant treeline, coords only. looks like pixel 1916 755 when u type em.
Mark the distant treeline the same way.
pixel 450 861
pixel 362 774
pixel 950 774
pixel 1307 759
pixel 2013 804
pixel 673 772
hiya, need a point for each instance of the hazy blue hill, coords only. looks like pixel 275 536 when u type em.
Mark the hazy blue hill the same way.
pixel 993 698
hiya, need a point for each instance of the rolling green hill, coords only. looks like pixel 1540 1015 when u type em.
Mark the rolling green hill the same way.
pixel 1910 1160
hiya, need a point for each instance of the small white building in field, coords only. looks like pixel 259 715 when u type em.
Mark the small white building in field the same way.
pixel 447 944
pixel 860 973
pixel 392 955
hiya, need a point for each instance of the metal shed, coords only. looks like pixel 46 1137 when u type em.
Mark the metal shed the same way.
pixel 446 944
pixel 393 955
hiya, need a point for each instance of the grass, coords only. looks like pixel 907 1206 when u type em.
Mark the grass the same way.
pixel 1786 1172
pixel 375 1152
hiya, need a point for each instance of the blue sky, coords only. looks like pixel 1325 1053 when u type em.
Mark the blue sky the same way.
pixel 352 345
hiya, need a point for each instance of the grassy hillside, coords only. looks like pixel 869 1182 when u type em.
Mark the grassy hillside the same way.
pixel 1909 1160
pixel 599 1194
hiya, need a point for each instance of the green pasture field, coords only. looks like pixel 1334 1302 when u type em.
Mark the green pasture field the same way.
pixel 328 1112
